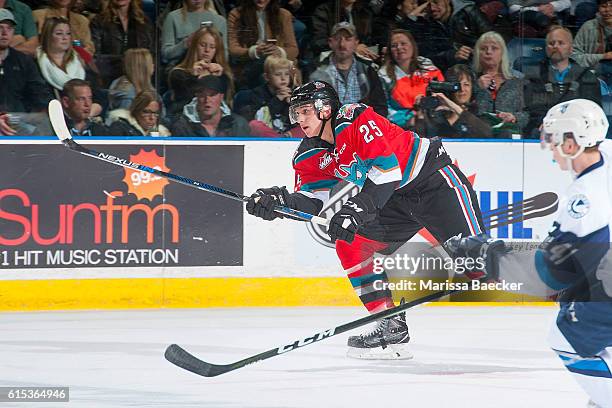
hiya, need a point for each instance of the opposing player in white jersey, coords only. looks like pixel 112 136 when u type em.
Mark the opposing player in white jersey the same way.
pixel 574 263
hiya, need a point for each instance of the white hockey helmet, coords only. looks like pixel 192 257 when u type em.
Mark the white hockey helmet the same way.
pixel 582 119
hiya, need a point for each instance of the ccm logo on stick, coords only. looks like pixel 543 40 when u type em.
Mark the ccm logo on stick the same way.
pixel 307 340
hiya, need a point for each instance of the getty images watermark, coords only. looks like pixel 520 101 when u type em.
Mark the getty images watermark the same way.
pixel 412 265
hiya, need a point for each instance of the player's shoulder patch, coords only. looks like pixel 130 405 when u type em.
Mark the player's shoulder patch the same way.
pixel 350 111
pixel 578 206
pixel 309 147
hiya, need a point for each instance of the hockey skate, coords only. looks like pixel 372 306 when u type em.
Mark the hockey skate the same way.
pixel 387 341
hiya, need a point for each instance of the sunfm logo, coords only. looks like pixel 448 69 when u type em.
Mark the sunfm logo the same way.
pixel 104 216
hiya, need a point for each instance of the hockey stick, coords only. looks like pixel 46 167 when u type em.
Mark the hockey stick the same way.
pixel 56 115
pixel 536 206
pixel 182 358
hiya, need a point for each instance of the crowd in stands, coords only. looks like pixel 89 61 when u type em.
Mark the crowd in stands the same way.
pixel 213 68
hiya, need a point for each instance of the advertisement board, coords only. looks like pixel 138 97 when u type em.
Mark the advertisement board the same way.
pixel 77 233
pixel 59 209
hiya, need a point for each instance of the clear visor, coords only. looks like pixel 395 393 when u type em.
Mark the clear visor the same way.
pixel 545 139
pixel 556 131
pixel 305 109
pixel 556 138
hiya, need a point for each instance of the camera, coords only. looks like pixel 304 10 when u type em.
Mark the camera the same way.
pixel 428 102
pixel 446 88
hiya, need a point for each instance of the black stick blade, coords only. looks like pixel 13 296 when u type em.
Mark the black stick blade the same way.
pixel 182 358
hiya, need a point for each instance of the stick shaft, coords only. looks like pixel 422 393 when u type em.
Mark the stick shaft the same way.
pixel 109 158
pixel 182 358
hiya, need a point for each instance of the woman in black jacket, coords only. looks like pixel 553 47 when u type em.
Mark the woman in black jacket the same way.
pixel 121 25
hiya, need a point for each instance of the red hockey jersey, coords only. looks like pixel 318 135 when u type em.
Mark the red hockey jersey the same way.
pixel 367 146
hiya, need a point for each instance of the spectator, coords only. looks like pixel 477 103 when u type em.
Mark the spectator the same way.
pixel 556 79
pixel 257 29
pixel 22 88
pixel 593 43
pixel 434 25
pixel 405 76
pixel 463 24
pixel 79 24
pixel 120 26
pixel 77 100
pixel 403 14
pixel 205 56
pixel 142 118
pixel 499 90
pixel 533 17
pixel 356 12
pixel 267 106
pixel 455 116
pixel 206 116
pixel 299 28
pixel 57 60
pixel 138 68
pixel 354 78
pixel 25 38
pixel 180 26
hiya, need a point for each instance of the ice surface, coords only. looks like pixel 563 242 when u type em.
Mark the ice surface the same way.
pixel 464 357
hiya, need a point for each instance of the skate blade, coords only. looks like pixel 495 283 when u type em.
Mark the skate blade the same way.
pixel 392 352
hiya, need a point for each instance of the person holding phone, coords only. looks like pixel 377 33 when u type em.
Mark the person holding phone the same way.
pixel 249 45
pixel 181 25
pixel 205 56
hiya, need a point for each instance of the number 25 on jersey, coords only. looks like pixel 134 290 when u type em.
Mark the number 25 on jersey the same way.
pixel 368 131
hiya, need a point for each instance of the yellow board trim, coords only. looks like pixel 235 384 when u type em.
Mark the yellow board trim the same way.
pixel 143 293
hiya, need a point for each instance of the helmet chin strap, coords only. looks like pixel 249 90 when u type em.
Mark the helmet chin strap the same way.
pixel 569 159
pixel 323 123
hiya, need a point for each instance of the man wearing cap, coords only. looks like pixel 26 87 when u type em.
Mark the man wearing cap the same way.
pixel 25 38
pixel 22 88
pixel 355 79
pixel 207 116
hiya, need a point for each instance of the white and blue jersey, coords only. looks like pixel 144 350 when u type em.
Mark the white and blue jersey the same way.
pixel 574 261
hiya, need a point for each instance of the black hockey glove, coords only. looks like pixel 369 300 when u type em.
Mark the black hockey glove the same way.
pixel 262 202
pixel 478 251
pixel 354 213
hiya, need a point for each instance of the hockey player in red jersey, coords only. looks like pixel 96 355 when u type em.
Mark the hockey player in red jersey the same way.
pixel 406 183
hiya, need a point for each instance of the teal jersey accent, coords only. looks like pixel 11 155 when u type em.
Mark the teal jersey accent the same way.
pixel 386 163
pixel 319 185
pixel 356 171
pixel 307 154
